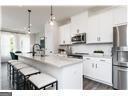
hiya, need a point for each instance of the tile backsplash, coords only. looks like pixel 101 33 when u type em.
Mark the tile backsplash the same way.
pixel 82 48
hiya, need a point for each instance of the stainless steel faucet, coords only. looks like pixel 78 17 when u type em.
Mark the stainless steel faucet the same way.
pixel 33 49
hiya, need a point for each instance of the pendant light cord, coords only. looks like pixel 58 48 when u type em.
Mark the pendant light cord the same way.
pixel 51 13
pixel 29 11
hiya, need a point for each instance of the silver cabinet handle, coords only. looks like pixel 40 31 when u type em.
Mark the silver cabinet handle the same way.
pixel 88 58
pixel 125 70
pixel 99 38
pixel 96 65
pixel 102 60
pixel 92 65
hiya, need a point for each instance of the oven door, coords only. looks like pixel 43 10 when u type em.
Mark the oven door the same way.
pixel 120 77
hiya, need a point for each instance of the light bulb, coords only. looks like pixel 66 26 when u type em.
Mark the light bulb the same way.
pixel 29 32
pixel 51 23
pixel 30 24
pixel 53 18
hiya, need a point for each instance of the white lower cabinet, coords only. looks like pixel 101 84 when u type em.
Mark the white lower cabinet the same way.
pixel 89 67
pixel 99 69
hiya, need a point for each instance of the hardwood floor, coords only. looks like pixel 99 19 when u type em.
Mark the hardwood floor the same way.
pixel 93 85
pixel 5 93
pixel 5 80
pixel 87 84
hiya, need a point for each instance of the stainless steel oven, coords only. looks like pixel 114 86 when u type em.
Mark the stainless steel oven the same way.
pixel 79 38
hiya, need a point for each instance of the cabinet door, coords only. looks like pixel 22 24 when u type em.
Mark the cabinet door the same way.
pixel 79 23
pixel 93 29
pixel 67 34
pixel 82 22
pixel 104 70
pixel 62 35
pixel 120 15
pixel 88 67
pixel 74 26
pixel 105 27
pixel 65 37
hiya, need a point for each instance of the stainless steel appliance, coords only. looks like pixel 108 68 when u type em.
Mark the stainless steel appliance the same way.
pixel 78 55
pixel 79 38
pixel 120 57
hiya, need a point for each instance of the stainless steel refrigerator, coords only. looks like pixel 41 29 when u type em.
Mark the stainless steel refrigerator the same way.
pixel 120 57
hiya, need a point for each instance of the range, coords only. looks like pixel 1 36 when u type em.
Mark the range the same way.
pixel 78 55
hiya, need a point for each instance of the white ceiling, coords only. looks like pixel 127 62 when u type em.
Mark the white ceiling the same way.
pixel 16 17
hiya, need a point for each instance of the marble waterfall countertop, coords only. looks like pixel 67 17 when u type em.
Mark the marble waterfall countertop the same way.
pixel 54 60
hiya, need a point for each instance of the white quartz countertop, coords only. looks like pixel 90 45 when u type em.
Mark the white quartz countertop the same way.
pixel 99 56
pixel 53 60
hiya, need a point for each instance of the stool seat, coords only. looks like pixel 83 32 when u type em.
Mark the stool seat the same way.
pixel 10 61
pixel 28 71
pixel 20 66
pixel 41 80
pixel 15 63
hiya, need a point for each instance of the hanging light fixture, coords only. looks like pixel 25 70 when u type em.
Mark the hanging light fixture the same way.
pixel 52 17
pixel 29 24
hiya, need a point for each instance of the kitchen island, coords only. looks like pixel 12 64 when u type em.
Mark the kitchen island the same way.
pixel 68 71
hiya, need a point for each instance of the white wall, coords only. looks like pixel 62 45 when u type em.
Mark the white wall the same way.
pixel 92 47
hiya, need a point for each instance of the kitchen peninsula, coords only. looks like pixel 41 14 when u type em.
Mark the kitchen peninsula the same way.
pixel 68 71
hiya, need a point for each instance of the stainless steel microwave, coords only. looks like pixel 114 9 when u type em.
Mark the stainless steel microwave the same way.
pixel 79 38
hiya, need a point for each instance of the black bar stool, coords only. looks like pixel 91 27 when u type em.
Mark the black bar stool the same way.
pixel 42 81
pixel 15 73
pixel 25 74
pixel 10 65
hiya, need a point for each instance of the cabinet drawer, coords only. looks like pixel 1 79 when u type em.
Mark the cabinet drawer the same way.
pixel 106 60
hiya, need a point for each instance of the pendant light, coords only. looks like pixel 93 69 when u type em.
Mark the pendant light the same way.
pixel 29 24
pixel 52 17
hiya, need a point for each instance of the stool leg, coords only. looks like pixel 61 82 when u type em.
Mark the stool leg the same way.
pixel 17 85
pixel 13 77
pixel 56 85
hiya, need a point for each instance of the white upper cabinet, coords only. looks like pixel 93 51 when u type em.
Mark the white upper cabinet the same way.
pixel 100 28
pixel 93 29
pixel 106 27
pixel 119 15
pixel 79 23
pixel 64 32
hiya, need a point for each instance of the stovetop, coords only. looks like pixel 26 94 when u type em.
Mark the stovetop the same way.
pixel 81 53
pixel 78 55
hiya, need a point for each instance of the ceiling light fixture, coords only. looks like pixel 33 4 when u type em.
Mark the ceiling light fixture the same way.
pixel 29 24
pixel 52 17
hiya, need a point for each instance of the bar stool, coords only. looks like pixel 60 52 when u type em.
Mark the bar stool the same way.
pixel 10 64
pixel 26 73
pixel 15 73
pixel 10 61
pixel 42 81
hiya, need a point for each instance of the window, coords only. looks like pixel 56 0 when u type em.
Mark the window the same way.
pixel 11 42
pixel 8 44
